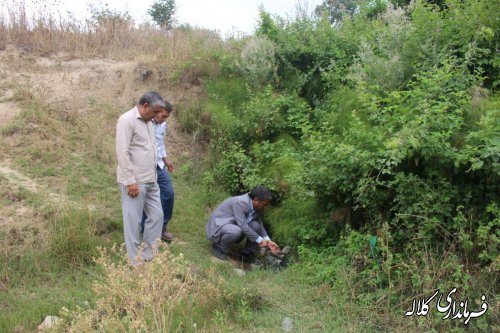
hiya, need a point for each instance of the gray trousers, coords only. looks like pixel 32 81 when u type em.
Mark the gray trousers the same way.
pixel 147 201
pixel 230 234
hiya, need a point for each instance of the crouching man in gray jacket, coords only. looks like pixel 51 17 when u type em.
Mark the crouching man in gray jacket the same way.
pixel 237 218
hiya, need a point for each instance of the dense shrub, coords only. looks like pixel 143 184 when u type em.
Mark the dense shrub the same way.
pixel 379 137
pixel 257 61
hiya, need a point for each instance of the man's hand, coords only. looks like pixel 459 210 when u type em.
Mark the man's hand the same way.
pixel 170 166
pixel 273 247
pixel 264 243
pixel 133 190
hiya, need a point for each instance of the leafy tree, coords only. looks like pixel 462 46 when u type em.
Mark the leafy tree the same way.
pixel 103 15
pixel 162 12
pixel 267 26
pixel 402 3
pixel 335 9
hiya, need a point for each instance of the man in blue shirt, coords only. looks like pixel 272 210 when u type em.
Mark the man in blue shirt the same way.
pixel 237 218
pixel 162 165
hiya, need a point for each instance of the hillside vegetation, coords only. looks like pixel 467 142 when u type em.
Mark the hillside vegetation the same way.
pixel 378 133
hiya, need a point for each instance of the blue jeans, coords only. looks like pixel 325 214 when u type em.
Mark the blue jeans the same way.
pixel 166 197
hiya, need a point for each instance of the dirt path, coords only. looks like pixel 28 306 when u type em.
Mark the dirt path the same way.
pixel 17 178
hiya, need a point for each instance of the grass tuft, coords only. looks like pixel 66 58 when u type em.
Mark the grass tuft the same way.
pixel 73 236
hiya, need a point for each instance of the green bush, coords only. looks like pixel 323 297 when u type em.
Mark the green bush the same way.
pixel 236 170
pixel 307 53
pixel 257 61
pixel 382 129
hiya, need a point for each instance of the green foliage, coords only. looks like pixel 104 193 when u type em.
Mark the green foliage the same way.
pixel 229 93
pixel 383 125
pixel 266 128
pixel 236 171
pixel 488 237
pixel 267 115
pixel 163 13
pixel 352 251
pixel 404 159
pixel 290 225
pixel 383 58
pixel 452 33
pixel 189 117
pixel 337 9
pixel 279 162
pixel 305 50
pixel 338 110
pixel 482 144
pixel 257 61
pixel 268 26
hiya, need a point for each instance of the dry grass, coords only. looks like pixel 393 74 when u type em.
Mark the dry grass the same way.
pixel 165 295
pixel 178 60
pixel 45 34
pixel 60 135
pixel 112 36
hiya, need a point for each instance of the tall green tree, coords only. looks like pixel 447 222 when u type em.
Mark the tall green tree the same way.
pixel 335 9
pixel 163 13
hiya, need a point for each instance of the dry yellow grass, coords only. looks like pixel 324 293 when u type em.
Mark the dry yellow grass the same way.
pixel 167 294
pixel 68 83
pixel 111 36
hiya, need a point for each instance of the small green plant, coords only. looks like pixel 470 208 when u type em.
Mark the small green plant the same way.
pixel 219 319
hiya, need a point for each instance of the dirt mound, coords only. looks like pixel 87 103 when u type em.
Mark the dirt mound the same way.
pixel 69 85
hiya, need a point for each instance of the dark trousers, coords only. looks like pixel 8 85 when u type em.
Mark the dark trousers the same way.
pixel 166 196
pixel 231 234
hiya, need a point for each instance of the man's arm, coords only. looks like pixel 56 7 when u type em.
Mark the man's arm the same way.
pixel 168 163
pixel 267 242
pixel 124 133
pixel 241 220
pixel 160 141
pixel 162 149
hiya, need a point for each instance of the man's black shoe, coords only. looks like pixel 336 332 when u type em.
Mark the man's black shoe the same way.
pixel 217 251
pixel 248 257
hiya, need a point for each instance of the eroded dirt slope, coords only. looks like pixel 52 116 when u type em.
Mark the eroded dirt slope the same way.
pixel 67 85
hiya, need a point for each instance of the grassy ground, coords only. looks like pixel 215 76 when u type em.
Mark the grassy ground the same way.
pixel 34 281
pixel 60 202
pixel 46 251
pixel 74 206
pixel 270 296
pixel 70 206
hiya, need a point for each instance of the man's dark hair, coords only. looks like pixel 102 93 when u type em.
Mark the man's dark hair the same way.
pixel 168 106
pixel 260 193
pixel 154 99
